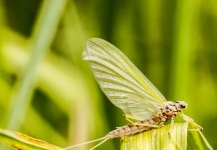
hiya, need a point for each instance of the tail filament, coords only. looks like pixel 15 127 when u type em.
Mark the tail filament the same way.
pixel 103 139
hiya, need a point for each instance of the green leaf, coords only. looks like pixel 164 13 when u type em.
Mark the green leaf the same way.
pixel 42 36
pixel 158 139
pixel 24 142
pixel 196 140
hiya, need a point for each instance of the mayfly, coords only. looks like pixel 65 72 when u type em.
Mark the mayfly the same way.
pixel 127 88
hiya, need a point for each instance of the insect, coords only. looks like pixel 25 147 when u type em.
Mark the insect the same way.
pixel 127 88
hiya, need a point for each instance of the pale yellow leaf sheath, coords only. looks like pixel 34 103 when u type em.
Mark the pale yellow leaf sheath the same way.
pixel 158 139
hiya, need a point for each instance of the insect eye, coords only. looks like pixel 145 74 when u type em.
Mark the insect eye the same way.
pixel 183 105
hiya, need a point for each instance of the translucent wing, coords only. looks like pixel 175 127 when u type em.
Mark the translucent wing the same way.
pixel 121 81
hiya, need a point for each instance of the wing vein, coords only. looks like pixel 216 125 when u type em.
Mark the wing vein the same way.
pixel 124 85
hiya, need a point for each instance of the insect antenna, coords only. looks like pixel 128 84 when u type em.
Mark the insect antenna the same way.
pixel 103 139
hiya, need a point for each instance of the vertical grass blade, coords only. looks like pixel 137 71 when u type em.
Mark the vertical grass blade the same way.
pixel 42 37
pixel 183 47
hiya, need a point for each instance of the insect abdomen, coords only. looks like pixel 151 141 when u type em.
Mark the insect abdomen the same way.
pixel 128 130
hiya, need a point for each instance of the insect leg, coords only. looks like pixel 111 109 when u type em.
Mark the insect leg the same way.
pixel 170 133
pixel 191 121
pixel 171 126
pixel 129 118
pixel 147 125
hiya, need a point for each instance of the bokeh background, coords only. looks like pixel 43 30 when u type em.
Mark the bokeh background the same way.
pixel 48 92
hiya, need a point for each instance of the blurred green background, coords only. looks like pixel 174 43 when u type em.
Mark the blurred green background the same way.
pixel 48 92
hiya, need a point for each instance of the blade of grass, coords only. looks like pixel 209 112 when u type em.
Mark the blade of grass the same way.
pixel 42 37
pixel 183 47
pixel 196 140
pixel 24 142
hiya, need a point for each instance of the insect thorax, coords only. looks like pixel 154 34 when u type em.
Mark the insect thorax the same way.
pixel 170 109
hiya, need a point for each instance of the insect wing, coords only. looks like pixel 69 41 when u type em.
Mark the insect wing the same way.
pixel 121 81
